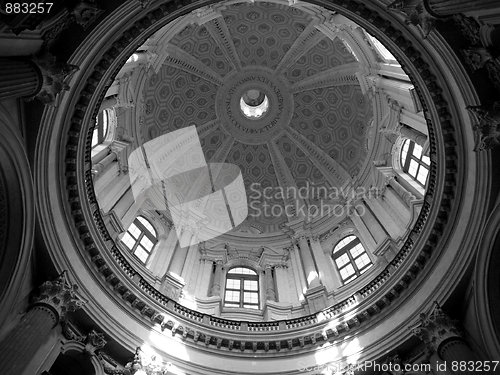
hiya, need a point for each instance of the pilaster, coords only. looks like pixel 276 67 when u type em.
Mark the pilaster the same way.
pixel 50 305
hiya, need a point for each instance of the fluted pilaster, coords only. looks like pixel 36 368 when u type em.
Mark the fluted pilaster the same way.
pixel 270 292
pixel 51 303
pixel 19 78
pixel 312 276
pixel 444 8
pixel 216 285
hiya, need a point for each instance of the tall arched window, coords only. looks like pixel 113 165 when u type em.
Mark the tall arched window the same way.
pixel 140 238
pixel 350 258
pixel 101 128
pixel 414 162
pixel 242 288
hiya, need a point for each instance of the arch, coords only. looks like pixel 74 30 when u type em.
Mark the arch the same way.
pixel 414 163
pixel 397 332
pixel 102 127
pixel 241 288
pixel 140 238
pixel 350 258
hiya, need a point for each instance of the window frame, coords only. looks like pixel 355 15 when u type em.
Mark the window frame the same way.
pixel 145 232
pixel 405 164
pixel 102 120
pixel 242 277
pixel 352 260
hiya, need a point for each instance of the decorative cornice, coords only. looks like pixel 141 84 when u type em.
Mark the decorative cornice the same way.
pixel 158 301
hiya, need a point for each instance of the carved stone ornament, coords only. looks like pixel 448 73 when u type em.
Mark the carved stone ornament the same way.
pixel 85 13
pixel 476 57
pixel 60 295
pixel 487 131
pixel 148 365
pixel 469 27
pixel 435 327
pixel 415 13
pixel 93 342
pixel 145 3
pixel 56 76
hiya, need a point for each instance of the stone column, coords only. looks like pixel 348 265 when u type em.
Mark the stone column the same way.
pixel 372 224
pixel 312 276
pixel 180 254
pixel 123 204
pixel 203 277
pixel 99 167
pixel 441 335
pixel 365 236
pixel 387 221
pixel 413 135
pixel 337 278
pixel 50 305
pixel 298 274
pixel 444 8
pixel 398 90
pixel 216 285
pixel 19 78
pixel 191 265
pixel 397 204
pixel 325 271
pixel 270 293
pixel 108 102
pixel 405 195
pixel 282 286
pixel 163 252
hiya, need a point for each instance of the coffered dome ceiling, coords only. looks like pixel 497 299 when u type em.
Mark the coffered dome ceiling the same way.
pixel 314 128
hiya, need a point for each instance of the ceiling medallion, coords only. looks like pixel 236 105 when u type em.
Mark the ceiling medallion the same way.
pixel 254 105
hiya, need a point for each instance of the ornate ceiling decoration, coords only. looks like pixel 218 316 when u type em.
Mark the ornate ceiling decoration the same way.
pixel 425 242
pixel 317 115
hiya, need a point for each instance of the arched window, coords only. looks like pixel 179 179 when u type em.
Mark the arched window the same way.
pixel 101 128
pixel 140 238
pixel 242 288
pixel 414 162
pixel 350 258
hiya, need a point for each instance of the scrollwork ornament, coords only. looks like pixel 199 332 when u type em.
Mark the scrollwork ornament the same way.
pixel 415 13
pixel 93 342
pixel 56 76
pixel 487 130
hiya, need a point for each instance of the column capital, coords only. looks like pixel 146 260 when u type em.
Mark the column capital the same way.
pixel 56 76
pixel 435 327
pixel 60 295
